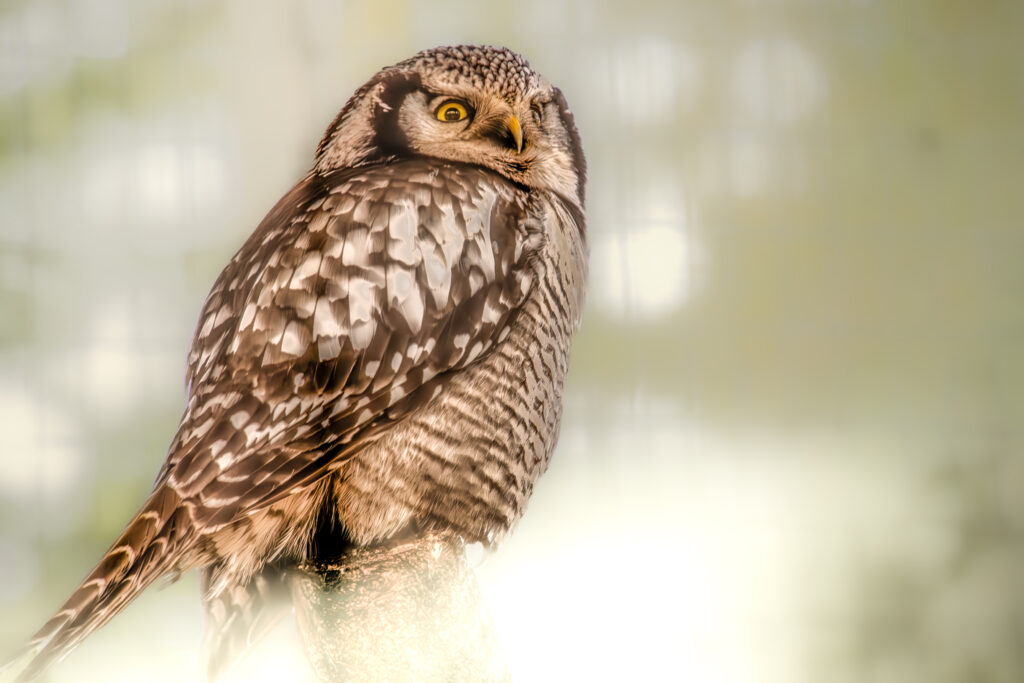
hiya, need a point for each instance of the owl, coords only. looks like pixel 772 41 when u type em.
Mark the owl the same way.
pixel 383 357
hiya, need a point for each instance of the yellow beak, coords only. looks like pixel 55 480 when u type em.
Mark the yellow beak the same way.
pixel 517 132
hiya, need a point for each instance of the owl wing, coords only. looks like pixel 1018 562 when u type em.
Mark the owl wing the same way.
pixel 341 313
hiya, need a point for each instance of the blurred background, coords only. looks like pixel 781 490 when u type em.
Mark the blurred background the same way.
pixel 792 446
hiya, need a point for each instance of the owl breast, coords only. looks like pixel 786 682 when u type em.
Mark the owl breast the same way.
pixel 467 459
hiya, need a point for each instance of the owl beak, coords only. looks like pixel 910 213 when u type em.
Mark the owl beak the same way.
pixel 517 132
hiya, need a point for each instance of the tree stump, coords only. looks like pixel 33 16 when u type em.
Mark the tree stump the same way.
pixel 412 611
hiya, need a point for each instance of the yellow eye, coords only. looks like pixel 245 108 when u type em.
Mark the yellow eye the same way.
pixel 452 111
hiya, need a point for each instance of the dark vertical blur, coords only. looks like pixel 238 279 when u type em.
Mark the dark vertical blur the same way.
pixel 793 435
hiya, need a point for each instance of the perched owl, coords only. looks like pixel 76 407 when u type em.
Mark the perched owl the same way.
pixel 386 353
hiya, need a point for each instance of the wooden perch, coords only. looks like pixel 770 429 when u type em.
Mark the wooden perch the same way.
pixel 409 612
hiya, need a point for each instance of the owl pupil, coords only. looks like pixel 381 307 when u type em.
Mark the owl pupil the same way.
pixel 451 114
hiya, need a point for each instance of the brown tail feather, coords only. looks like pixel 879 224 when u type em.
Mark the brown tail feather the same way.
pixel 139 556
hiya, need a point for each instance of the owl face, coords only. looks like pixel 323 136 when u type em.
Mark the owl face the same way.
pixel 474 105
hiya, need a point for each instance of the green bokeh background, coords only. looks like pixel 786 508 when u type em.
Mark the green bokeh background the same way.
pixel 793 432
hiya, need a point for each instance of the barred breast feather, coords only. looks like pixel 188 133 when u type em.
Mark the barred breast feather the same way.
pixel 467 460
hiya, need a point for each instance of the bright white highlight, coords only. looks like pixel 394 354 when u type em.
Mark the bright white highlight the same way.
pixel 648 269
pixel 704 571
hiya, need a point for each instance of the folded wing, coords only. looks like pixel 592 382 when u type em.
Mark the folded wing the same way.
pixel 343 311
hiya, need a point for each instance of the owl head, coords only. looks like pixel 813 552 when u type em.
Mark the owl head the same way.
pixel 468 104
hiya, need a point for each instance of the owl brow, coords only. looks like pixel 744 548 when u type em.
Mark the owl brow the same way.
pixel 438 98
pixel 437 94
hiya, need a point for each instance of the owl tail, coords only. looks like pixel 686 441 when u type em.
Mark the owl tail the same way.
pixel 145 551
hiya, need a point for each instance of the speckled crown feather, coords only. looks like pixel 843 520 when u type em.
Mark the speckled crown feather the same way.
pixel 495 69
